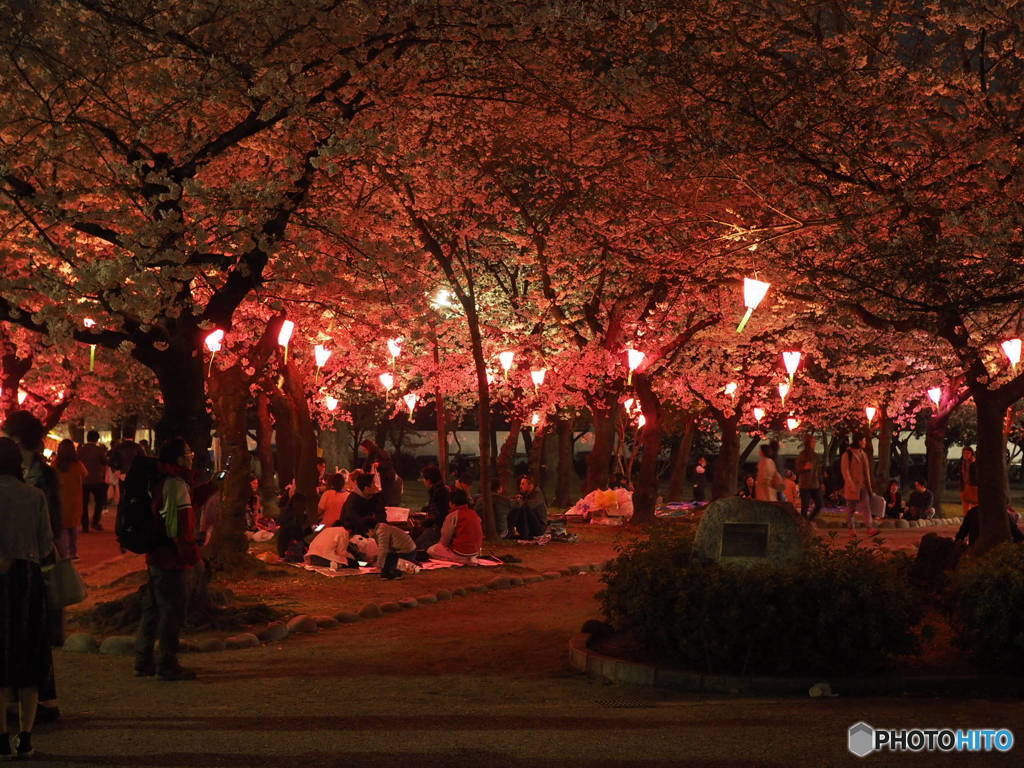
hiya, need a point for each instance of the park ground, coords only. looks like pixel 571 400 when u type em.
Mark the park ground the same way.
pixel 481 680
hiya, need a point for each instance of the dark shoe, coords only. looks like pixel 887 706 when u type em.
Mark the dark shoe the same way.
pixel 25 750
pixel 178 673
pixel 145 670
pixel 97 526
pixel 47 714
pixel 5 747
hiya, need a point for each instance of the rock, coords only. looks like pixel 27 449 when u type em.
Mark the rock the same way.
pixel 408 602
pixel 574 569
pixel 347 617
pixel 479 588
pixel 516 581
pixel 371 611
pixel 244 640
pixel 916 524
pixel 552 574
pixel 820 689
pixel 738 531
pixel 499 582
pixel 302 624
pixel 886 524
pixel 326 622
pixel 460 592
pixel 274 632
pixel 390 607
pixel 533 578
pixel 444 594
pixel 426 599
pixel 211 645
pixel 566 572
pixel 81 642
pixel 901 523
pixel 118 645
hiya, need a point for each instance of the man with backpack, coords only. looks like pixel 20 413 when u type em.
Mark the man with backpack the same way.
pixel 169 540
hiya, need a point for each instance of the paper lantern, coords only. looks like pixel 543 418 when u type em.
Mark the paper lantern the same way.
pixel 505 359
pixel 22 396
pixel 332 403
pixel 284 336
pixel 213 341
pixel 870 412
pixel 792 361
pixel 730 388
pixel 753 293
pixel 538 377
pixel 792 424
pixel 535 420
pixel 634 357
pixel 410 402
pixel 387 381
pixel 641 420
pixel 1011 348
pixel 758 414
pixel 628 404
pixel 322 355
pixel 395 347
pixel 783 391
pixel 935 394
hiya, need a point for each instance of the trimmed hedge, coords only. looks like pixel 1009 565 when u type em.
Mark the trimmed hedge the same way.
pixel 840 611
pixel 987 608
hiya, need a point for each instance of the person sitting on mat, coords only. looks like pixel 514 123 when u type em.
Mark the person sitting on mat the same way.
pixel 392 543
pixel 462 535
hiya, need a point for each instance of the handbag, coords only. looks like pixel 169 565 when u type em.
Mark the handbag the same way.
pixel 64 586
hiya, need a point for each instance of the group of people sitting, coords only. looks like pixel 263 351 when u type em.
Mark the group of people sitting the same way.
pixel 353 527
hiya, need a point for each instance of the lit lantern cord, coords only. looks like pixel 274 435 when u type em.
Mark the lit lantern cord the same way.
pixel 1012 350
pixel 634 358
pixel 753 293
pixel 90 323
pixel 285 335
pixel 792 361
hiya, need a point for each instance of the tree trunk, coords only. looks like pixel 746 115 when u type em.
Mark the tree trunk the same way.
pixel 565 464
pixel 285 438
pixel 645 492
pixel 991 469
pixel 727 465
pixel 681 461
pixel 228 546
pixel 269 489
pixel 604 416
pixel 883 467
pixel 440 415
pixel 935 456
pixel 182 380
pixel 536 453
pixel 507 455
pixel 484 411
pixel 304 439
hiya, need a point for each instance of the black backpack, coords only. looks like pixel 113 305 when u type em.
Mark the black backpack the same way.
pixel 139 527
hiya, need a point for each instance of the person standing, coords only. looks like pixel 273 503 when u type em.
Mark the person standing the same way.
pixel 968 480
pixel 28 433
pixel 379 461
pixel 856 471
pixel 164 600
pixel 808 467
pixel 26 542
pixel 71 474
pixel 700 479
pixel 769 482
pixel 94 457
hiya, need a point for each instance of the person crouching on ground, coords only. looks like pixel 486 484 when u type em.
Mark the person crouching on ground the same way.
pixel 392 543
pixel 462 535
pixel 164 599
pixel 529 515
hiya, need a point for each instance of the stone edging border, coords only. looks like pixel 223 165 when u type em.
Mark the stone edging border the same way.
pixel 615 670
pixel 275 632
pixel 889 524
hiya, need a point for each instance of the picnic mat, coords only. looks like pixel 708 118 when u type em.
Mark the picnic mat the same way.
pixel 679 508
pixel 429 565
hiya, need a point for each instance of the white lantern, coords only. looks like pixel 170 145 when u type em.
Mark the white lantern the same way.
pixel 935 394
pixel 783 391
pixel 870 412
pixel 758 414
pixel 753 293
pixel 730 388
pixel 634 358
pixel 1011 348
pixel 331 402
pixel 538 377
pixel 395 347
pixel 792 361
pixel 792 423
pixel 387 381
pixel 505 359
pixel 285 336
pixel 410 402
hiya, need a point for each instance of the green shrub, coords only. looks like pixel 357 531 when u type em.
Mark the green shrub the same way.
pixel 840 611
pixel 987 608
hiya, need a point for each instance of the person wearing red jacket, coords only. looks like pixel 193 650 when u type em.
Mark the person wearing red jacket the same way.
pixel 462 535
pixel 163 602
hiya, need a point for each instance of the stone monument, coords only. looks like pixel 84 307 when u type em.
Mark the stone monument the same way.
pixel 739 531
